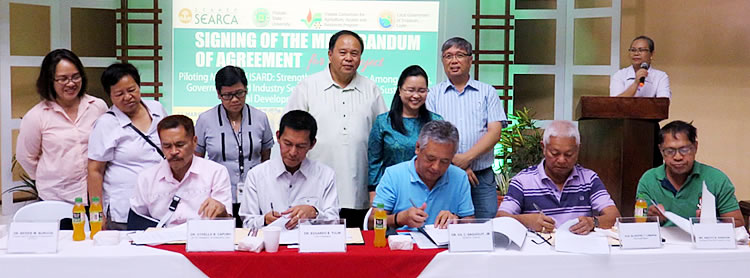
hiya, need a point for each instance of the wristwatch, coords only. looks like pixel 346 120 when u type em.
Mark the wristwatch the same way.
pixel 596 222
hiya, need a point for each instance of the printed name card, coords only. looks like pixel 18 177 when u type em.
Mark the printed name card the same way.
pixel 640 235
pixel 714 236
pixel 33 237
pixel 210 235
pixel 322 238
pixel 470 237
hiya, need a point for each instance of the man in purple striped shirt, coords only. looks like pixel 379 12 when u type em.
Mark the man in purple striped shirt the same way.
pixel 557 190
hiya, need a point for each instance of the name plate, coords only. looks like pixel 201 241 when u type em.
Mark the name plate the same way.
pixel 33 237
pixel 470 237
pixel 714 236
pixel 210 235
pixel 640 235
pixel 322 238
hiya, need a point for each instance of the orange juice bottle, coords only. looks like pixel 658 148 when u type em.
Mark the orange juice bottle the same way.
pixel 641 210
pixel 78 213
pixel 380 226
pixel 95 211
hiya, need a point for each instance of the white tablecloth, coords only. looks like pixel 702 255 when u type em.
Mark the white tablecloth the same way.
pixel 83 259
pixel 676 259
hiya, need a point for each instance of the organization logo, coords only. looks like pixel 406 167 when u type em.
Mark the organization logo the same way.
pixel 386 19
pixel 185 15
pixel 261 17
pixel 312 20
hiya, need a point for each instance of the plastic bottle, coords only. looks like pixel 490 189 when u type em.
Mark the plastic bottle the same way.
pixel 95 219
pixel 380 226
pixel 641 210
pixel 78 213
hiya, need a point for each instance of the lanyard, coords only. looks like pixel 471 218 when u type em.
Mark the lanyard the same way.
pixel 237 137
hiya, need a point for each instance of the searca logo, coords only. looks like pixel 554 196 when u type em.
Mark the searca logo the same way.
pixel 312 20
pixel 208 16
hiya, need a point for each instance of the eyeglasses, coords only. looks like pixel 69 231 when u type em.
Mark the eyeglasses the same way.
pixel 62 80
pixel 686 150
pixel 544 240
pixel 459 56
pixel 238 94
pixel 639 50
pixel 411 91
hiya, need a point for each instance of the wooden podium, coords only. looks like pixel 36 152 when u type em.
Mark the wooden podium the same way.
pixel 618 142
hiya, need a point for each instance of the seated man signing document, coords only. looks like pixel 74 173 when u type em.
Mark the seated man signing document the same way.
pixel 427 189
pixel 546 195
pixel 202 185
pixel 292 185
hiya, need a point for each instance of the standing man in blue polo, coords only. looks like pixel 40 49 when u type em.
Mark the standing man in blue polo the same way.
pixel 474 108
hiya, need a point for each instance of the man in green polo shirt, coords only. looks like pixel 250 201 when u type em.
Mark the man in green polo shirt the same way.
pixel 677 185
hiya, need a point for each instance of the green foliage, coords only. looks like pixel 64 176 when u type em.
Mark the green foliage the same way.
pixel 521 147
pixel 28 186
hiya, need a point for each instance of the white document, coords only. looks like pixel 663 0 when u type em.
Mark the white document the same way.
pixel 280 222
pixel 288 237
pixel 566 241
pixel 440 237
pixel 422 241
pixel 708 206
pixel 160 236
pixel 683 223
pixel 510 228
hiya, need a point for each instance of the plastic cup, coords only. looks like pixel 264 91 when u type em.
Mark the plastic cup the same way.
pixel 271 238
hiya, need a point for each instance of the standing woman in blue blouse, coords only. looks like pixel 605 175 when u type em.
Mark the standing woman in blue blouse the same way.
pixel 393 136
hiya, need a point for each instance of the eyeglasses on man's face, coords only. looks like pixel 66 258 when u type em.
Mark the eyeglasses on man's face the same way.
pixel 686 150
pixel 459 56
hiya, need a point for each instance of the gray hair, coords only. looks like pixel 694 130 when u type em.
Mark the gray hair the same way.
pixel 439 132
pixel 457 42
pixel 561 129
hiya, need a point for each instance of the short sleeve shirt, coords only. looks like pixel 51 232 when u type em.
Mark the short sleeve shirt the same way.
pixel 220 143
pixel 127 154
pixel 655 186
pixel 655 85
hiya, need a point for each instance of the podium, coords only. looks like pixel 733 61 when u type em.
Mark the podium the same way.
pixel 618 142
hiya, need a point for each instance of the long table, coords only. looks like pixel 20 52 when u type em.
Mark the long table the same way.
pixel 676 258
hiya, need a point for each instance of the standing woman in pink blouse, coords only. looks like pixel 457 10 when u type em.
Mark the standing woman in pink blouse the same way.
pixel 53 140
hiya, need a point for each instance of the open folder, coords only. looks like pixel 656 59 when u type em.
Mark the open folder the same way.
pixel 507 232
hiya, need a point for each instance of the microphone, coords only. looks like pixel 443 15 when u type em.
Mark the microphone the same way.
pixel 644 65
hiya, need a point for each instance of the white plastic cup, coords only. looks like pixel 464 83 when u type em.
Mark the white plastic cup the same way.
pixel 271 238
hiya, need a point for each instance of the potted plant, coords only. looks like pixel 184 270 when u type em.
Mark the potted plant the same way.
pixel 520 147
pixel 28 186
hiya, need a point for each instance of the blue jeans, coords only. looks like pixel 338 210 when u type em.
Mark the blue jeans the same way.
pixel 484 194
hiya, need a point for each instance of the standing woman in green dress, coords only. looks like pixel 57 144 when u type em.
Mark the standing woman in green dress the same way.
pixel 393 136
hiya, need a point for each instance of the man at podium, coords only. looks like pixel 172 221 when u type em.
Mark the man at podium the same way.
pixel 640 79
pixel 677 185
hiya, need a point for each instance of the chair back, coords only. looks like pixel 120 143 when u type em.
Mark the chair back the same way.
pixel 46 211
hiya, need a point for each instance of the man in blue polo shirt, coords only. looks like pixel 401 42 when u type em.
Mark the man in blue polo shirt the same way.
pixel 440 190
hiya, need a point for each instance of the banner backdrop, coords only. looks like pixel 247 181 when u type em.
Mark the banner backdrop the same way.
pixel 279 43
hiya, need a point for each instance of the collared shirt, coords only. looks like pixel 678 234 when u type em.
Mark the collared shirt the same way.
pixel 53 149
pixel 387 147
pixel 470 111
pixel 156 187
pixel 655 85
pixel 219 141
pixel 654 185
pixel 344 116
pixel 401 185
pixel 270 184
pixel 582 192
pixel 127 154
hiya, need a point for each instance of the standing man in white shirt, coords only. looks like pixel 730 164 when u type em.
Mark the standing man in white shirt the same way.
pixel 627 81
pixel 293 185
pixel 474 108
pixel 346 104
pixel 202 185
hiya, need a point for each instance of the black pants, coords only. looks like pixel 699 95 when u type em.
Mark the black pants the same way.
pixel 236 214
pixel 354 217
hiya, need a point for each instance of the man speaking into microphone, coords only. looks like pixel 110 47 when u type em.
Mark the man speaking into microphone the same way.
pixel 640 79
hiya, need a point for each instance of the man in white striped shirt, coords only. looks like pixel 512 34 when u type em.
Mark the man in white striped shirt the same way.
pixel 474 108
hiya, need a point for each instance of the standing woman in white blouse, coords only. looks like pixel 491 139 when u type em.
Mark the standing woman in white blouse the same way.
pixel 627 81
pixel 124 142
pixel 233 133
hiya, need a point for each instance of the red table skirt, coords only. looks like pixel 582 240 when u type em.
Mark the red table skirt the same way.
pixel 358 261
